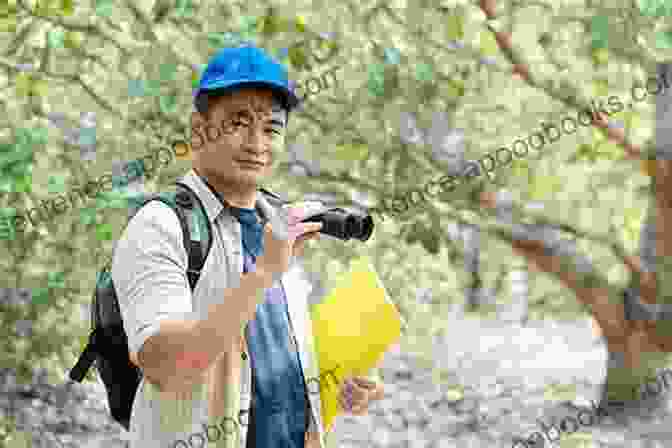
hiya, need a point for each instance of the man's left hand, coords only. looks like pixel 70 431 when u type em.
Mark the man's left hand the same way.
pixel 357 392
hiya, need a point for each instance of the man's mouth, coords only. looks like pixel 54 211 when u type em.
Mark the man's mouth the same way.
pixel 251 163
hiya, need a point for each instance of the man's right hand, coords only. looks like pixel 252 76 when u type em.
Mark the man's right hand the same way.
pixel 278 253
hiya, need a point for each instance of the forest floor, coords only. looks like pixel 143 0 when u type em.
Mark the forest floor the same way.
pixel 500 375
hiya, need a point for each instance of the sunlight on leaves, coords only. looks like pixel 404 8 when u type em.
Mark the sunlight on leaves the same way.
pixel 560 392
pixel 601 88
pixel 455 26
pixel 577 440
pixel 352 152
pixel 23 84
pixel 488 43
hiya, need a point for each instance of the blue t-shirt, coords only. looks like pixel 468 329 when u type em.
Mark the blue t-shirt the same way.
pixel 280 415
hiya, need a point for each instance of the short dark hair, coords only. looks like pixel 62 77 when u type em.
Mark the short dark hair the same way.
pixel 202 101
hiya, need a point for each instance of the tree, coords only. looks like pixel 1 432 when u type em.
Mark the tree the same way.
pixel 97 89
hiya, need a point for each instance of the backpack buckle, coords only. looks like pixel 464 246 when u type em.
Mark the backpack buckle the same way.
pixel 183 199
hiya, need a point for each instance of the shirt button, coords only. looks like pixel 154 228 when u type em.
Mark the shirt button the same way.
pixel 244 356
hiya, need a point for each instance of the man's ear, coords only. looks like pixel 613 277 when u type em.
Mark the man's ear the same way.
pixel 197 125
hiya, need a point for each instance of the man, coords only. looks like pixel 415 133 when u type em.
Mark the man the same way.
pixel 227 366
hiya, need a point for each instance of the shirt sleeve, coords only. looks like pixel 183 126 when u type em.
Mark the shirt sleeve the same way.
pixel 149 273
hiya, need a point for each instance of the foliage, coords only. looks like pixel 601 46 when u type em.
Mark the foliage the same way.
pixel 135 63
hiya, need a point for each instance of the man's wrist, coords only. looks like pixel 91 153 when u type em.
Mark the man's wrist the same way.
pixel 262 276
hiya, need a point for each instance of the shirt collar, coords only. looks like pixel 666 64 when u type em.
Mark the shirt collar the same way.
pixel 215 204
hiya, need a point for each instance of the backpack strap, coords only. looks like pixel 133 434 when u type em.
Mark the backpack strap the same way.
pixel 196 229
pixel 198 234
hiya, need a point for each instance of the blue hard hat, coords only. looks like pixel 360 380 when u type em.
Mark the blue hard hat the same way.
pixel 247 65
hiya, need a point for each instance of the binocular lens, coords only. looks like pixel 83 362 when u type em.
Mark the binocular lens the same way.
pixel 358 227
pixel 343 225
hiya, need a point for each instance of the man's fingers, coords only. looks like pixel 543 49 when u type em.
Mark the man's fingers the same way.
pixel 308 236
pixel 364 382
pixel 300 229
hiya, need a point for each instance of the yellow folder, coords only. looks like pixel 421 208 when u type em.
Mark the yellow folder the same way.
pixel 353 327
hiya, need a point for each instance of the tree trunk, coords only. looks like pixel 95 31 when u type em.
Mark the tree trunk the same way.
pixel 644 388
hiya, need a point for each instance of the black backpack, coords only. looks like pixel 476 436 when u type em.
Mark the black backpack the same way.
pixel 108 344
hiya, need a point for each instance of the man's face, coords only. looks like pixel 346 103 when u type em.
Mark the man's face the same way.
pixel 241 136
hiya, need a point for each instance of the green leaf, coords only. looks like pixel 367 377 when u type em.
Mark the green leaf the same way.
pixel 183 8
pixel 352 152
pixel 7 229
pixel 168 103
pixel 651 8
pixel 23 83
pixel 544 187
pixel 40 296
pixel 664 40
pixel 431 243
pixel 424 72
pixel 23 184
pixel 488 43
pixel 298 56
pixel 8 162
pixel 56 38
pixel 599 27
pixel 87 216
pixel 104 8
pixel 455 88
pixel 24 138
pixel 248 24
pixel 104 232
pixel 376 81
pixel 56 184
pixel 67 7
pixel 152 87
pixel 167 71
pixel 6 185
pixel 520 169
pixel 455 26
pixel 39 136
pixel 226 39
pixel 56 280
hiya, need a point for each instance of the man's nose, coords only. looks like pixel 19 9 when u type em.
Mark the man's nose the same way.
pixel 255 139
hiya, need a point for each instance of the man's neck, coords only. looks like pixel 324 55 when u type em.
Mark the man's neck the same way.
pixel 235 195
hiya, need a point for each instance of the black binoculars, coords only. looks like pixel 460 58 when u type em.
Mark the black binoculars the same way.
pixel 344 225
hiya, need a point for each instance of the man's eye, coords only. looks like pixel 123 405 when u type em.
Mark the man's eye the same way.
pixel 239 123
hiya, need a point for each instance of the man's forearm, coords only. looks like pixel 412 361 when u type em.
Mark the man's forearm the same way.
pixel 226 320
pixel 184 350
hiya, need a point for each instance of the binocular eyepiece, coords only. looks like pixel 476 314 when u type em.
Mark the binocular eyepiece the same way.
pixel 344 225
